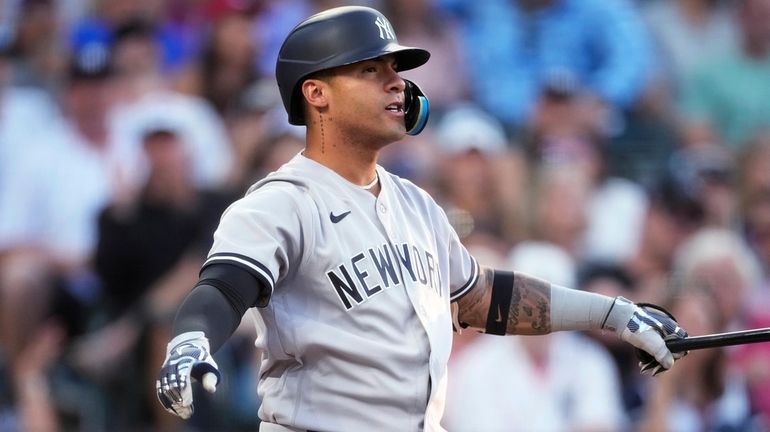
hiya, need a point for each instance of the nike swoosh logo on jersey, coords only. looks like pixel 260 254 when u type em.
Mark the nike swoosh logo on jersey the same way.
pixel 338 218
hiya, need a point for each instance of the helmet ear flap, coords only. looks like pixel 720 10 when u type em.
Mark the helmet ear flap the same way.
pixel 416 108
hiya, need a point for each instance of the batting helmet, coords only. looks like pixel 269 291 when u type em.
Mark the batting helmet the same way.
pixel 338 37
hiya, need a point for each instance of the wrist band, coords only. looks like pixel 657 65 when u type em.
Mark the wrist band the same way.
pixel 500 305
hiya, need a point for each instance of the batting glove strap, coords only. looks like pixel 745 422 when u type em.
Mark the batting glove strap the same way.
pixel 646 327
pixel 187 357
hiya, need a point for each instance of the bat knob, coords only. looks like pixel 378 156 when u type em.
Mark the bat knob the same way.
pixel 210 382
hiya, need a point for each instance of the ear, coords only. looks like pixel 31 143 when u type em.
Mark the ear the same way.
pixel 316 94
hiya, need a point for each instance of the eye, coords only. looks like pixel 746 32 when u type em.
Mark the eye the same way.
pixel 370 69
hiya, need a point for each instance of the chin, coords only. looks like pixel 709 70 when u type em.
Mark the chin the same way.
pixel 391 134
pixel 399 130
pixel 397 135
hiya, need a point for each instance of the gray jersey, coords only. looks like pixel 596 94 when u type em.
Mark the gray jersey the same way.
pixel 357 331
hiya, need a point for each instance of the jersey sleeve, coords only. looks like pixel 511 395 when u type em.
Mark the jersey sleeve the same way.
pixel 463 268
pixel 262 233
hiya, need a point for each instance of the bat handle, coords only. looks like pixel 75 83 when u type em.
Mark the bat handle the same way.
pixel 677 345
pixel 740 337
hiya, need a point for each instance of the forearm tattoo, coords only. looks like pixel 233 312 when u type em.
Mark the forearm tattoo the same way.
pixel 529 310
pixel 474 305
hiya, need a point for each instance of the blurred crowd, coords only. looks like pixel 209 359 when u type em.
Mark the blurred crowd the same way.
pixel 614 146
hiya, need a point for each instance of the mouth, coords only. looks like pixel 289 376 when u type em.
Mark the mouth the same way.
pixel 396 108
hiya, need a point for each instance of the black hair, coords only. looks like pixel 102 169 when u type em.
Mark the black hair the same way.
pixel 595 270
pixel 134 28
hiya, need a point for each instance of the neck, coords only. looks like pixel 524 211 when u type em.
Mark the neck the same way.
pixel 694 11
pixel 756 49
pixel 94 131
pixel 170 192
pixel 348 157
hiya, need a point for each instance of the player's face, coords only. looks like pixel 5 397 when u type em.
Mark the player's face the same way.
pixel 367 100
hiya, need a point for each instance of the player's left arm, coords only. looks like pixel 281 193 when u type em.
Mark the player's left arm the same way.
pixel 504 302
pixel 522 304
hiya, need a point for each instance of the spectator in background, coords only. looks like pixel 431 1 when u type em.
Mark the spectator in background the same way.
pixel 718 263
pixel 558 206
pixel 611 279
pixel 70 12
pixel 22 112
pixel 100 27
pixel 675 210
pixel 753 360
pixel 565 118
pixel 422 23
pixel 709 172
pixel 274 21
pixel 418 158
pixel 615 213
pixel 481 181
pixel 754 181
pixel 572 380
pixel 754 170
pixel 687 32
pixel 47 222
pixel 727 100
pixel 513 47
pixel 561 138
pixel 148 253
pixel 37 48
pixel 712 285
pixel 257 117
pixel 706 394
pixel 145 98
pixel 282 146
pixel 225 67
pixel 565 135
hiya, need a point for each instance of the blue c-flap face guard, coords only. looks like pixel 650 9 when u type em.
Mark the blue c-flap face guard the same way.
pixel 416 108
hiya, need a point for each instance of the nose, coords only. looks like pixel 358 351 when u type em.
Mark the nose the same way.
pixel 396 84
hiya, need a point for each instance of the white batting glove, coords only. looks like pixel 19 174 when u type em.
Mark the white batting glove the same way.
pixel 647 327
pixel 187 357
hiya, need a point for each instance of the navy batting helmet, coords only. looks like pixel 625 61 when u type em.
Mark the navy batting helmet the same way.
pixel 342 36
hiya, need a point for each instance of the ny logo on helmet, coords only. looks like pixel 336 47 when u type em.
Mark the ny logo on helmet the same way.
pixel 386 31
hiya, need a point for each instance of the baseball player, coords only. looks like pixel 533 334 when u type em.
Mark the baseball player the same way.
pixel 354 276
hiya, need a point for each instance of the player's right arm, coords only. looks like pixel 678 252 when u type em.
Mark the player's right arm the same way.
pixel 504 302
pixel 257 239
pixel 206 319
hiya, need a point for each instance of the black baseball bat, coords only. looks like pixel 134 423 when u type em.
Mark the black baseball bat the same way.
pixel 720 340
